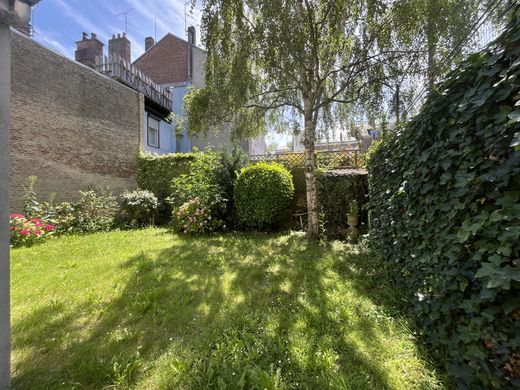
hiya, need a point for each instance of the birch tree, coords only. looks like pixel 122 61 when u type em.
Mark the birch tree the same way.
pixel 306 57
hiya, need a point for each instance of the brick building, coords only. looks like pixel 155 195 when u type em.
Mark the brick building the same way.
pixel 178 64
pixel 71 126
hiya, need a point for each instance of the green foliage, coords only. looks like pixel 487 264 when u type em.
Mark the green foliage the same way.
pixel 263 193
pixel 226 175
pixel 337 191
pixel 94 211
pixel 138 207
pixel 199 182
pixel 155 172
pixel 194 217
pixel 445 206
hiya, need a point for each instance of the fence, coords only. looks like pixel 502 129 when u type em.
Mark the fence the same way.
pixel 336 159
pixel 118 68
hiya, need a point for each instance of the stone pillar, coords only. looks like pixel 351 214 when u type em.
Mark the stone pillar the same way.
pixel 5 100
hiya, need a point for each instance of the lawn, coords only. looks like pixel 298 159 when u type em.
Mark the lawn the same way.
pixel 147 309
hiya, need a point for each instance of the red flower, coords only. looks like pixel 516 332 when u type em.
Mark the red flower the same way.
pixel 25 232
pixel 49 227
pixel 38 232
pixel 17 216
pixel 13 228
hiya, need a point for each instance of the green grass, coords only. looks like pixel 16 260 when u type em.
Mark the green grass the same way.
pixel 151 310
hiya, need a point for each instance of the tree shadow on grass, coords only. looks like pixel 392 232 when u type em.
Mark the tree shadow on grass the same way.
pixel 234 311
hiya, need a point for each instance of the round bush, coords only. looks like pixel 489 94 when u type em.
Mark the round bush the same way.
pixel 138 207
pixel 263 193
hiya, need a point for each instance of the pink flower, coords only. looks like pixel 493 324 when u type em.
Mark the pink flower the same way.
pixel 49 227
pixel 17 216
pixel 25 232
pixel 36 220
pixel 13 228
pixel 38 232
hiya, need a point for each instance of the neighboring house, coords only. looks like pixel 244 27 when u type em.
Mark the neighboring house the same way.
pixel 178 64
pixel 158 134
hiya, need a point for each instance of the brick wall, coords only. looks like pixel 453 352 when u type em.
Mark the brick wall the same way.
pixel 71 127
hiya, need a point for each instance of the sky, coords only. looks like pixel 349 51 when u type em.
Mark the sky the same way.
pixel 58 24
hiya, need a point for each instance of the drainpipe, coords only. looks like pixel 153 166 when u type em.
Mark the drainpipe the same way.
pixel 18 13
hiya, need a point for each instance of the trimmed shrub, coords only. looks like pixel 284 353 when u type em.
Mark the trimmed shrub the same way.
pixel 138 207
pixel 337 189
pixel 445 206
pixel 155 172
pixel 263 193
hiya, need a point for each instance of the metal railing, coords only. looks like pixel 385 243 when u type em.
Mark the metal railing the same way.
pixel 121 70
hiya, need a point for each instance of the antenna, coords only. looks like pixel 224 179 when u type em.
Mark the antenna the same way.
pixel 188 14
pixel 125 13
pixel 155 25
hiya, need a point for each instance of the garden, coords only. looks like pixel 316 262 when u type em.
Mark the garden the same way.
pixel 203 277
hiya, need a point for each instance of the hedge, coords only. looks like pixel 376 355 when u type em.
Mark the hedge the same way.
pixel 444 196
pixel 155 172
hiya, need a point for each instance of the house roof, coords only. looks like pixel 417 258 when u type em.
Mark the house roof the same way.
pixel 167 61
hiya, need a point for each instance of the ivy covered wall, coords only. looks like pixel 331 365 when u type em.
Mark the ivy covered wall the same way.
pixel 445 213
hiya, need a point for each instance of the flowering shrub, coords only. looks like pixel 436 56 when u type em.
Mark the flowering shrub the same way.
pixel 138 208
pixel 25 232
pixel 194 217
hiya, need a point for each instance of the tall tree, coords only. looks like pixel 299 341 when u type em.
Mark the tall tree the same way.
pixel 267 57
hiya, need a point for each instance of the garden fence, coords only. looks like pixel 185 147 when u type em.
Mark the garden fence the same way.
pixel 336 159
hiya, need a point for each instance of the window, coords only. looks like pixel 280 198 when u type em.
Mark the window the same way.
pixel 153 132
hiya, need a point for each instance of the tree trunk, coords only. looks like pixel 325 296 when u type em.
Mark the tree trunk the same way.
pixel 397 103
pixel 432 38
pixel 310 174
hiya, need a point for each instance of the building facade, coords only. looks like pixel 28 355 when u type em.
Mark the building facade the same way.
pixel 72 127
pixel 178 64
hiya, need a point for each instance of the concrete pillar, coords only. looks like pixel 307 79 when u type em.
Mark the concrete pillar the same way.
pixel 5 100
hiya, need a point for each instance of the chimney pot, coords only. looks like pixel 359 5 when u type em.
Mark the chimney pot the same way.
pixel 192 37
pixel 88 50
pixel 148 43
pixel 121 46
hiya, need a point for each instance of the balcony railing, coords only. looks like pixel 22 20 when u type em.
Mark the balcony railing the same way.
pixel 123 71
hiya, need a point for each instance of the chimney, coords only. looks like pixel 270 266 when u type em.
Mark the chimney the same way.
pixel 192 37
pixel 120 45
pixel 88 49
pixel 148 43
pixel 191 43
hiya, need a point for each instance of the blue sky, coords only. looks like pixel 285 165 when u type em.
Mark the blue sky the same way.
pixel 59 23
